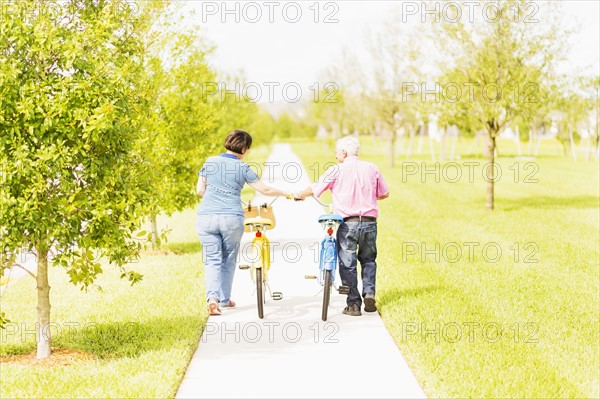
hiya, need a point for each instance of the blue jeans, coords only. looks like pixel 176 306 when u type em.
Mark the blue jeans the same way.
pixel 220 237
pixel 363 235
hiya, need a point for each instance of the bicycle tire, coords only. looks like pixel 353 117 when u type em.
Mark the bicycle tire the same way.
pixel 259 293
pixel 326 294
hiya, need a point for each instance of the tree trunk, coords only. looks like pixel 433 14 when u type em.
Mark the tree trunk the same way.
pixel 490 176
pixel 531 132
pixel 538 141
pixel 443 144
pixel 431 148
pixel 411 141
pixel 518 141
pixel 400 140
pixel 154 230
pixel 339 133
pixel 454 140
pixel 475 144
pixel 572 144
pixel 43 304
pixel 563 143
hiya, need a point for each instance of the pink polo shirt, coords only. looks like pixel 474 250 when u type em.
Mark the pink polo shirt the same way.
pixel 355 186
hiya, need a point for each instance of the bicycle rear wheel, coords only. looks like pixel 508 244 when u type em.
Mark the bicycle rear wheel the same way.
pixel 259 293
pixel 326 294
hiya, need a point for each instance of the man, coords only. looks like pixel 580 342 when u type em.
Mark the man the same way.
pixel 355 186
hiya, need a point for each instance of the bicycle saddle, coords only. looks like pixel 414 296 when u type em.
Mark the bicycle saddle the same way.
pixel 332 217
pixel 258 221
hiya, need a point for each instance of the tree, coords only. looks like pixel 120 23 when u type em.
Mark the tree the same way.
pixel 500 67
pixel 593 125
pixel 71 192
pixel 234 110
pixel 179 129
pixel 384 96
pixel 262 126
pixel 288 126
pixel 330 110
pixel 396 72
pixel 577 111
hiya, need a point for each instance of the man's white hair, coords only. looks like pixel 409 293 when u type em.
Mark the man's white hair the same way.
pixel 349 144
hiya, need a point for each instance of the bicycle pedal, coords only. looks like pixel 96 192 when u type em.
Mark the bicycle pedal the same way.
pixel 277 296
pixel 244 267
pixel 310 277
pixel 344 290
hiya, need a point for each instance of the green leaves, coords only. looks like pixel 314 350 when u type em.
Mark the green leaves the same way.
pixel 182 123
pixel 502 69
pixel 133 277
pixel 3 321
pixel 69 175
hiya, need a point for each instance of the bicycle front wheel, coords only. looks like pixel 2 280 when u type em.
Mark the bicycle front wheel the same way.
pixel 326 294
pixel 260 293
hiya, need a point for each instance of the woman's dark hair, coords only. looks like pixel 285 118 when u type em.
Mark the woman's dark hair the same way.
pixel 238 141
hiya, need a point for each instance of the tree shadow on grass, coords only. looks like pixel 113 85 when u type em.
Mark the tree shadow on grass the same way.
pixel 182 248
pixel 389 297
pixel 130 339
pixel 547 202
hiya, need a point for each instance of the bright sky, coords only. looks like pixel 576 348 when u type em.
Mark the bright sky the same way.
pixel 275 50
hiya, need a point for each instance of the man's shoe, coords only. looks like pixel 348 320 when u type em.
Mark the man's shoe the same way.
pixel 370 303
pixel 352 310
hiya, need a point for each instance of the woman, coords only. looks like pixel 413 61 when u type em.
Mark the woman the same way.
pixel 220 222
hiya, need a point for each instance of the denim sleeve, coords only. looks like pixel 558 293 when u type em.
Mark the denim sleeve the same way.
pixel 249 174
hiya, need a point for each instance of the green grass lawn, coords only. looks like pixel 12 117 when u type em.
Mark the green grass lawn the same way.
pixel 142 336
pixel 520 323
pixel 469 327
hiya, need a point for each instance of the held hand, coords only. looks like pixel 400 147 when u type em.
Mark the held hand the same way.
pixel 294 196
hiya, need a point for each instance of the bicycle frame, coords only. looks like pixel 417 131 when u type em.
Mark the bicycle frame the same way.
pixel 261 256
pixel 328 257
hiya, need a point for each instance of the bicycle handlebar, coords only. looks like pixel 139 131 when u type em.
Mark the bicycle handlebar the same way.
pixel 269 204
pixel 328 206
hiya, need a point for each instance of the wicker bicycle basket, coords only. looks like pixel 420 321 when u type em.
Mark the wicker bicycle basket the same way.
pixel 262 210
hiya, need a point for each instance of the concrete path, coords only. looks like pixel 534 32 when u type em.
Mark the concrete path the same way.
pixel 292 353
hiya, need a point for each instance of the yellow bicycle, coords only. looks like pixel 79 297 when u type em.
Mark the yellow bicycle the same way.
pixel 259 219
